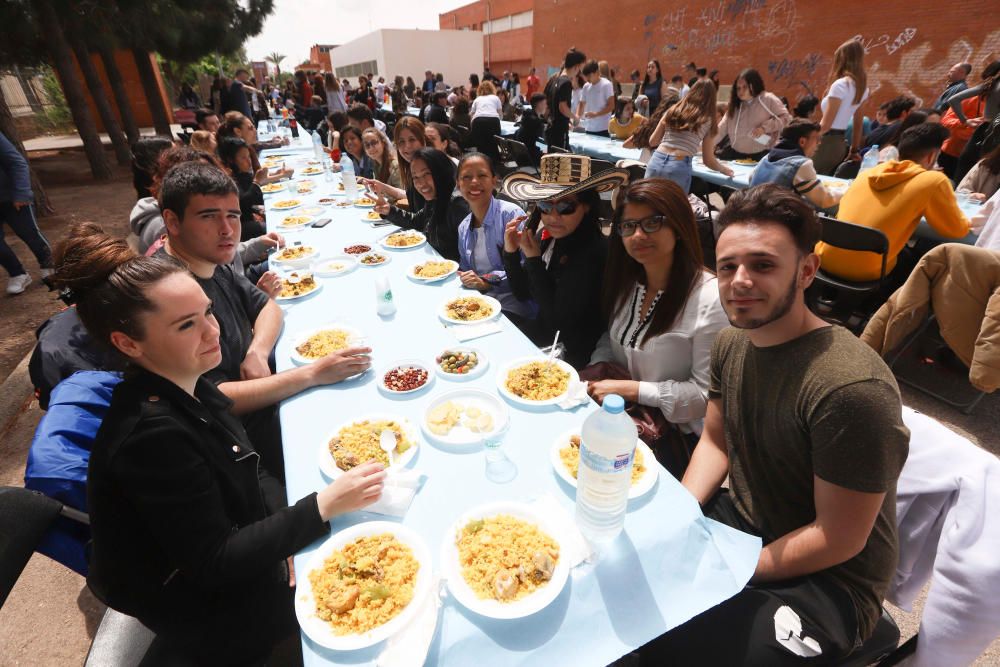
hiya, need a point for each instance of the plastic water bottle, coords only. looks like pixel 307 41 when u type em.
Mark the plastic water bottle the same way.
pixel 870 160
pixel 384 305
pixel 607 449
pixel 348 178
pixel 317 145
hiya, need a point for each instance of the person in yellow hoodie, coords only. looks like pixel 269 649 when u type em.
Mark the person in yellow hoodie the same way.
pixel 893 197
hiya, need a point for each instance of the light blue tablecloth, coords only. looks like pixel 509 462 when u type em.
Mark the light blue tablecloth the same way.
pixel 670 564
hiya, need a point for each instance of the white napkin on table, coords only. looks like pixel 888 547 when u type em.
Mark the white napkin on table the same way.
pixel 577 395
pixel 408 647
pixel 573 546
pixel 467 332
pixel 397 494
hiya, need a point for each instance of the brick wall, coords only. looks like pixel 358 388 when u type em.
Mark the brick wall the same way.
pixel 910 45
pixel 507 50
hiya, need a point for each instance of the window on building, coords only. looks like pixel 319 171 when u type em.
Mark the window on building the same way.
pixel 511 22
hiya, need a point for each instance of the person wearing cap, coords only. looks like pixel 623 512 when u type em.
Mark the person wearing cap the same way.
pixel 563 263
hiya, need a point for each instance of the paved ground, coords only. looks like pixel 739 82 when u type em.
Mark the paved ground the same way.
pixel 51 616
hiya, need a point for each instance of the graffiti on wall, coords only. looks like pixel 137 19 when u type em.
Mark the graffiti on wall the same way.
pixel 916 77
pixel 876 43
pixel 726 24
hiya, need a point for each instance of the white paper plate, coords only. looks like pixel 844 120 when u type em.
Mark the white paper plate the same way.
pixel 305 335
pixel 286 299
pixel 305 604
pixel 274 190
pixel 320 267
pixel 460 436
pixel 442 309
pixel 384 241
pixel 451 569
pixel 286 208
pixel 328 197
pixel 356 204
pixel 282 227
pixel 311 170
pixel 480 368
pixel 300 263
pixel 435 279
pixel 514 398
pixel 329 467
pixel 411 363
pixel 388 258
pixel 637 490
pixel 365 218
pixel 313 210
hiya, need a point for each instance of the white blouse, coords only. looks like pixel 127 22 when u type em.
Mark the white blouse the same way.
pixel 486 106
pixel 672 368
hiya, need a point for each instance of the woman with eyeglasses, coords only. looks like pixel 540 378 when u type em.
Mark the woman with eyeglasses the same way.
pixel 433 177
pixel 481 235
pixel 383 157
pixel 560 268
pixel 663 309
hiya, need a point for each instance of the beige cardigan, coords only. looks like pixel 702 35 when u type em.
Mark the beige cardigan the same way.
pixel 765 111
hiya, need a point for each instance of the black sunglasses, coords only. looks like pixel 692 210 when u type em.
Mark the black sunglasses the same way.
pixel 562 207
pixel 649 225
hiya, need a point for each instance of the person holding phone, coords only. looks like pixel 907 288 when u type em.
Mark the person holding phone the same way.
pixel 560 268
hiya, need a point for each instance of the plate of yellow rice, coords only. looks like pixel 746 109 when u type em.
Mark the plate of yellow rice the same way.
pixel 314 344
pixel 504 560
pixel 533 381
pixel 357 441
pixel 565 458
pixel 363 585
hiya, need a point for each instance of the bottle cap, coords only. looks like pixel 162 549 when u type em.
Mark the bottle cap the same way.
pixel 614 404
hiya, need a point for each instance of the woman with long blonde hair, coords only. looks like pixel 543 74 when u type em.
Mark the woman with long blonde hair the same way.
pixel 847 91
pixel 487 110
pixel 335 98
pixel 689 126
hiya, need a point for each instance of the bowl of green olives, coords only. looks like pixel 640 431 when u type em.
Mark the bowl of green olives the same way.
pixel 460 363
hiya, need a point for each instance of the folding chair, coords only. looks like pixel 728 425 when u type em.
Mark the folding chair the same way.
pixel 507 162
pixel 25 516
pixel 836 299
pixel 519 152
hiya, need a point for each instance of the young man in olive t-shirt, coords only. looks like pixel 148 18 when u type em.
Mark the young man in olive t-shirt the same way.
pixel 806 422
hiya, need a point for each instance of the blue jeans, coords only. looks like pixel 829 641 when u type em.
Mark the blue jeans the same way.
pixel 22 222
pixel 676 169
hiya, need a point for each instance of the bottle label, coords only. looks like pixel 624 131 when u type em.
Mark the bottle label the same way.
pixel 387 296
pixel 603 464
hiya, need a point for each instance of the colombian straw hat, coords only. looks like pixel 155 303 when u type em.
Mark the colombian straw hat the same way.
pixel 562 174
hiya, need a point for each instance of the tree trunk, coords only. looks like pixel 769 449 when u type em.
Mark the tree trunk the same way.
pixel 100 97
pixel 148 77
pixel 9 129
pixel 121 95
pixel 62 60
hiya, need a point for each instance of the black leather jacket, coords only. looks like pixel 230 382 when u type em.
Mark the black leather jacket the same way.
pixel 190 533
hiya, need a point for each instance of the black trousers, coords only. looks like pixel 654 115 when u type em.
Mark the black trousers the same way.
pixel 483 135
pixel 730 153
pixel 743 629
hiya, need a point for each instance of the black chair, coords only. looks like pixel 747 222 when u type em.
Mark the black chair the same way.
pixel 556 149
pixel 520 153
pixel 835 299
pixel 506 163
pixel 25 516
pixel 924 362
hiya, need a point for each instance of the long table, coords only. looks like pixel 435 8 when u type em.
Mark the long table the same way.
pixel 612 150
pixel 670 564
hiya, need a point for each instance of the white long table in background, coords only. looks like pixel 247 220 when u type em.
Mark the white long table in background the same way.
pixel 670 564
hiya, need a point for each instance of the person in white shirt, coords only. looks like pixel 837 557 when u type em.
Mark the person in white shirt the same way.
pixel 380 91
pixel 664 312
pixel 597 100
pixel 842 103
pixel 486 112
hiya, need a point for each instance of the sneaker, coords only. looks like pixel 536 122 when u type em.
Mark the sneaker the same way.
pixel 47 272
pixel 17 284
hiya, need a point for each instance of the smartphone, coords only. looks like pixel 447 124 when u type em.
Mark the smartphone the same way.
pixel 321 223
pixel 534 219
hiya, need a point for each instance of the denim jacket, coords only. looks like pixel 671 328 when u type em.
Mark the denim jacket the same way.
pixel 497 217
pixel 15 179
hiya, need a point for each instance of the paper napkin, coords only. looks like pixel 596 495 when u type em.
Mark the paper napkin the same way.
pixel 572 544
pixel 467 332
pixel 408 647
pixel 397 494
pixel 577 395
